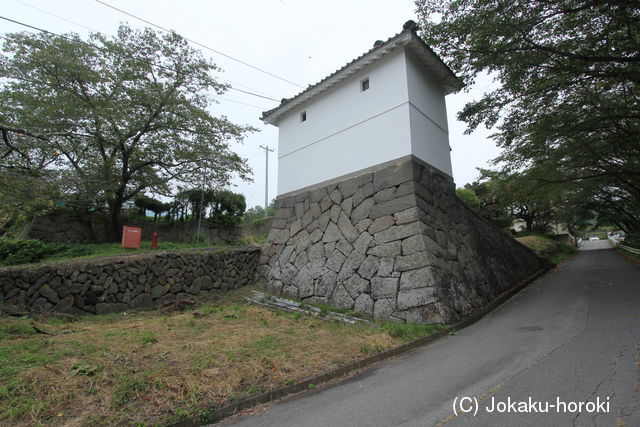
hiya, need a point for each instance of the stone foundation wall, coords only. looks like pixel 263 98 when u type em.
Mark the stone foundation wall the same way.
pixel 393 243
pixel 116 284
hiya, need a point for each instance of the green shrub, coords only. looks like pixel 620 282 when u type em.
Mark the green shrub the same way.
pixel 13 252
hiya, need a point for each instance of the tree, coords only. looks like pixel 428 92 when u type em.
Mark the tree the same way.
pixel 115 116
pixel 227 208
pixel 469 198
pixel 567 99
pixel 257 212
pixel 146 203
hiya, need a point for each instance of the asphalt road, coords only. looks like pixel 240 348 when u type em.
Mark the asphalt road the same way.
pixel 573 336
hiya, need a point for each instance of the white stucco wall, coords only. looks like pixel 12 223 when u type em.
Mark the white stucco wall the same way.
pixel 429 130
pixel 348 130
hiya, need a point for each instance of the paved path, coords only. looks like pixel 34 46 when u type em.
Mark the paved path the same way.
pixel 572 335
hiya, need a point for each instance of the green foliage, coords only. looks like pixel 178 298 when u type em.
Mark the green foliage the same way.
pixel 566 99
pixel 13 252
pixel 256 213
pixel 219 207
pixel 409 331
pixel 547 248
pixel 147 337
pixel 469 197
pixel 81 369
pixel 102 121
pixel 129 386
pixel 145 203
pixel 11 328
pixel 227 208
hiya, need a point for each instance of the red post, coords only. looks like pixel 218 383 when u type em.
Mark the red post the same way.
pixel 154 242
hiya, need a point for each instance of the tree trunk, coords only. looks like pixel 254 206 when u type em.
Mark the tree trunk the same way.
pixel 116 209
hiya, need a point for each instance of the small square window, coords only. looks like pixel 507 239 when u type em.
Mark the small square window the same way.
pixel 303 116
pixel 364 84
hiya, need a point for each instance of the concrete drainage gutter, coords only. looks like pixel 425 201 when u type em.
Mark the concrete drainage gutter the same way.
pixel 270 396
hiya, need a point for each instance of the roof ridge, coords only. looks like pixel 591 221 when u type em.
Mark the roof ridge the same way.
pixel 409 27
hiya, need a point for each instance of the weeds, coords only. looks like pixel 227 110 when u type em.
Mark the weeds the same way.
pixel 147 368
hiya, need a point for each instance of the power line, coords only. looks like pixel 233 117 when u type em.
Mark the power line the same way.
pixel 298 43
pixel 139 60
pixel 242 20
pixel 251 92
pixel 54 15
pixel 202 45
pixel 296 28
pixel 311 24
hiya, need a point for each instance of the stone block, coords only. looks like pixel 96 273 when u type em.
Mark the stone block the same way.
pixel 284 213
pixel 324 220
pixel 386 267
pixel 384 308
pixel 384 287
pixel 316 251
pixel 325 203
pixel 363 210
pixel 325 284
pixel 398 232
pixel 392 206
pixel 381 224
pixel 317 194
pixel 390 249
pixel 336 196
pixel 364 305
pixel 347 206
pixel 351 265
pixel 341 298
pixel 315 236
pixel 356 285
pixel 413 244
pixel 362 193
pixel 411 298
pixel 413 261
pixel 419 278
pixel 393 175
pixel 332 234
pixel 335 213
pixel 369 267
pixel 363 242
pixel 335 260
pixel 278 236
pixel 385 195
pixel 344 247
pixel 295 227
pixel 347 228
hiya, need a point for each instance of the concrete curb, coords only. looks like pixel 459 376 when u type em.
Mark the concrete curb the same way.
pixel 270 396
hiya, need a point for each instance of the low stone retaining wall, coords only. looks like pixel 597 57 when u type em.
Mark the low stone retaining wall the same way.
pixel 114 284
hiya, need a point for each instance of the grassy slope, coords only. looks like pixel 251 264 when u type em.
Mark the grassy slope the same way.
pixel 148 367
pixel 92 250
pixel 547 248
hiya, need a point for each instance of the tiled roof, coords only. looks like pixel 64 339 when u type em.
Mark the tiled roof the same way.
pixel 407 37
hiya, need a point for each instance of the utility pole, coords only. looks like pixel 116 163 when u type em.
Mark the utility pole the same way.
pixel 266 178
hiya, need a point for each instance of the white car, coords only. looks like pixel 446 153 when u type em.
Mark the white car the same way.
pixel 594 238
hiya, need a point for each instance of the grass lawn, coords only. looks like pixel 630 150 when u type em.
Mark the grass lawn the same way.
pixel 92 250
pixel 160 367
pixel 630 256
pixel 547 248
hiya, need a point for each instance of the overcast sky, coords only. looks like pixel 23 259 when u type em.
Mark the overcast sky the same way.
pixel 298 41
